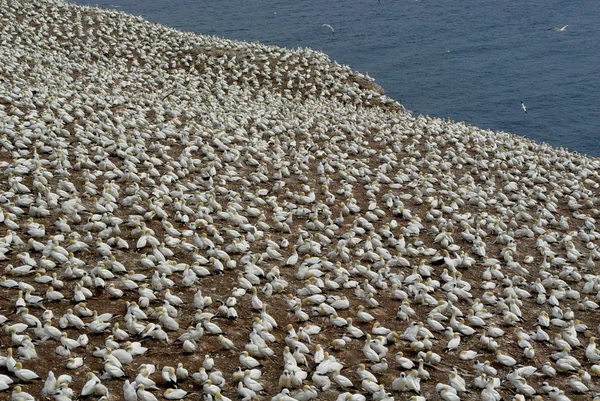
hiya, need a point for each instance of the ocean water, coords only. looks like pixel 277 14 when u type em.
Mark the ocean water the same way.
pixel 471 60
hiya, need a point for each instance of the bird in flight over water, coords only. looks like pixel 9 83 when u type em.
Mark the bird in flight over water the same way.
pixel 557 29
pixel 330 28
pixel 523 107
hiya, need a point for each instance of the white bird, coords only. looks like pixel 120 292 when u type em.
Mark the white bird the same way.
pixel 24 375
pixel 577 385
pixel 145 395
pixel 563 29
pixel 169 375
pixel 112 370
pixel 456 381
pixel 175 394
pixel 129 391
pixel 403 362
pixel 341 380
pixel 208 363
pixel 454 342
pixel 523 107
pixel 5 382
pixel 248 361
pixel 49 384
pixel 329 27
pixel 19 395
pixel 505 360
pixel 75 363
pixel 448 393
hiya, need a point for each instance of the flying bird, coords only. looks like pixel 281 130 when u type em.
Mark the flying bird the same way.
pixel 563 29
pixel 330 28
pixel 523 107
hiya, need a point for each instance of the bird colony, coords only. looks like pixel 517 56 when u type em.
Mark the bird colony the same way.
pixel 187 216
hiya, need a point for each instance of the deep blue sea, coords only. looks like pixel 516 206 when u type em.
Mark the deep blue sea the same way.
pixel 469 60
